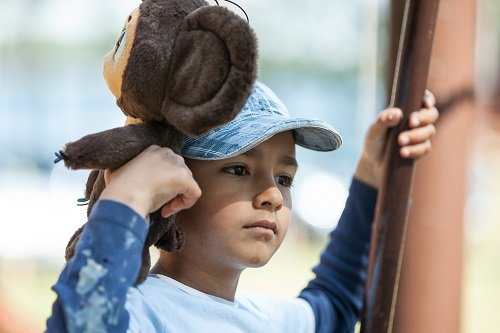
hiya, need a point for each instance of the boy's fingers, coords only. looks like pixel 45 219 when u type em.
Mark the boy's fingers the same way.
pixel 176 205
pixel 172 207
pixel 416 135
pixel 387 118
pixel 390 117
pixel 423 117
pixel 182 201
pixel 429 100
pixel 415 151
pixel 169 208
pixel 191 195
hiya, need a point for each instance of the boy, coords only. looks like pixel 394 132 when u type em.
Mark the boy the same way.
pixel 232 198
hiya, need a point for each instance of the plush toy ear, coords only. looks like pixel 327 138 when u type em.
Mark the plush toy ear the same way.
pixel 213 69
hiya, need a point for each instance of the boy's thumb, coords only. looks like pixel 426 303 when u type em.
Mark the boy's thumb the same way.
pixel 388 118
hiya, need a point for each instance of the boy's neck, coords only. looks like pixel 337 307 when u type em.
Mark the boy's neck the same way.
pixel 202 276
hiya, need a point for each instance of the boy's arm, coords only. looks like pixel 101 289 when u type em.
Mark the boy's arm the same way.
pixel 336 293
pixel 91 290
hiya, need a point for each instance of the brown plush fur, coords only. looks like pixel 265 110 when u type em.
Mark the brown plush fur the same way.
pixel 222 75
pixel 133 140
pixel 191 67
pixel 149 63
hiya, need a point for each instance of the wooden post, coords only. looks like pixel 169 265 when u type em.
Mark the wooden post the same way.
pixel 393 202
pixel 431 277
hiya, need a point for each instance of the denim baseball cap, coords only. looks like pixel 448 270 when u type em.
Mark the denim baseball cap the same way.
pixel 263 116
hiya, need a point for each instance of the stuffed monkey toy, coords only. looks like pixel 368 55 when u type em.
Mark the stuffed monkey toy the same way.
pixel 179 67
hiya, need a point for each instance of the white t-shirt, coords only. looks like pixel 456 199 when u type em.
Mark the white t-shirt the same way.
pixel 162 304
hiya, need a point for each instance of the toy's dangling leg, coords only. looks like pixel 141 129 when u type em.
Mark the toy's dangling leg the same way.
pixel 97 184
pixel 89 185
pixel 93 188
pixel 165 234
pixel 172 240
pixel 70 247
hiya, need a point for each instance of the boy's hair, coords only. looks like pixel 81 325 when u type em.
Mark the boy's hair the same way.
pixel 263 116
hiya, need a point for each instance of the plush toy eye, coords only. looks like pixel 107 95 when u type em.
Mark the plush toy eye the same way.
pixel 120 46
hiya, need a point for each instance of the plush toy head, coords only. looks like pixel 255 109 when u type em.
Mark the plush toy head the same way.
pixel 182 62
pixel 179 67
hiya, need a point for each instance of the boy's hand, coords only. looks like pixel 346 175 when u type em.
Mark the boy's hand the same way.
pixel 156 177
pixel 414 142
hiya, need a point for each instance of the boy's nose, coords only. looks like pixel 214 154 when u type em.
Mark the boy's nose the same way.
pixel 270 199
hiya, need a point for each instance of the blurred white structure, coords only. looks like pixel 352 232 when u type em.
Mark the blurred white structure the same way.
pixel 319 199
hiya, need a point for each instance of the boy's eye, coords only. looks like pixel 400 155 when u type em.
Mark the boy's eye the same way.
pixel 284 180
pixel 237 170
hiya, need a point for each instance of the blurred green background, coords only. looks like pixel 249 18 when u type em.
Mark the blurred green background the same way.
pixel 324 58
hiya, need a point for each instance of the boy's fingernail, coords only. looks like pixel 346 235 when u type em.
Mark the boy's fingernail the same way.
pixel 404 139
pixel 405 152
pixel 428 98
pixel 396 115
pixel 390 115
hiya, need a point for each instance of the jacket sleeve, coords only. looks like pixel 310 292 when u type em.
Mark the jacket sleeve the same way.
pixel 92 288
pixel 336 292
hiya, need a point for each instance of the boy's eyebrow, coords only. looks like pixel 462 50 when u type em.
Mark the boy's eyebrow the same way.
pixel 287 160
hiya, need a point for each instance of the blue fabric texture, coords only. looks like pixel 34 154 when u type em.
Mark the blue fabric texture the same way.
pixel 263 116
pixel 96 292
pixel 91 290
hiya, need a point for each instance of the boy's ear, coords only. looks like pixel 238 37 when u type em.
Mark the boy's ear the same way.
pixel 212 71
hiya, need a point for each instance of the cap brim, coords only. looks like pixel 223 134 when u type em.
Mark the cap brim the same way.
pixel 239 136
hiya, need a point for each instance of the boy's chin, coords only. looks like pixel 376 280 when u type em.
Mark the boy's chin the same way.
pixel 256 262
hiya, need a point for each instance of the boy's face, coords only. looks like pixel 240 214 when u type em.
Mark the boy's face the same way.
pixel 245 208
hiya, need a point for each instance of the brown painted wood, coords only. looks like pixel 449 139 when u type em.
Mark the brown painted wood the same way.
pixel 412 65
pixel 430 288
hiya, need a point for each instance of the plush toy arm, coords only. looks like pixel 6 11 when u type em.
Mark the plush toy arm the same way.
pixel 115 147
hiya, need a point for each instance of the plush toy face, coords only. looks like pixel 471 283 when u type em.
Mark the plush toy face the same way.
pixel 116 60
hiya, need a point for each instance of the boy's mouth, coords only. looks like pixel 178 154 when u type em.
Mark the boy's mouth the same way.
pixel 264 224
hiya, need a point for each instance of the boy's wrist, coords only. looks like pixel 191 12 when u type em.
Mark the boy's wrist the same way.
pixel 368 172
pixel 133 200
